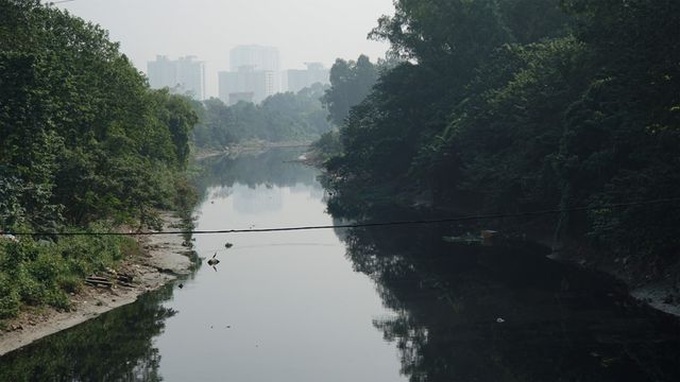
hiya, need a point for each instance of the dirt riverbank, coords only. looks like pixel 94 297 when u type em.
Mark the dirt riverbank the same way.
pixel 162 260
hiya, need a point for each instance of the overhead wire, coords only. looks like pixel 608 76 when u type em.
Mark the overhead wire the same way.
pixel 358 225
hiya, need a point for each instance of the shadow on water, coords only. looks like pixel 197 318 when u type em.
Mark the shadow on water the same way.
pixel 508 313
pixel 117 346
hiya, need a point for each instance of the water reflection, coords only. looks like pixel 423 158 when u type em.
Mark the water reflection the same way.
pixel 271 168
pixel 117 346
pixel 283 306
pixel 248 202
pixel 497 314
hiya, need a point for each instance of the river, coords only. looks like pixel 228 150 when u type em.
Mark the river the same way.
pixel 366 304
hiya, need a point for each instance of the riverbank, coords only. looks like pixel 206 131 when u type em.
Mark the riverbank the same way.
pixel 163 259
pixel 650 283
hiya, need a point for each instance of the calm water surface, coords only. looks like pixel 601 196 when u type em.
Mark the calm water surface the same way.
pixel 280 306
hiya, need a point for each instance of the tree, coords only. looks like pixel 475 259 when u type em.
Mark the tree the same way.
pixel 73 111
pixel 621 135
pixel 350 83
pixel 279 118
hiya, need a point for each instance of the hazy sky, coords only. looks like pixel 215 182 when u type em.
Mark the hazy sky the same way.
pixel 303 30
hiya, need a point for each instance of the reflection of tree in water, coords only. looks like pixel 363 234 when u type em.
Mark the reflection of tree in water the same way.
pixel 272 167
pixel 556 323
pixel 220 192
pixel 117 346
pixel 341 233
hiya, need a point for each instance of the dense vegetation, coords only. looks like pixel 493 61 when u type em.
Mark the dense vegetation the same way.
pixel 283 117
pixel 522 105
pixel 85 145
pixel 351 82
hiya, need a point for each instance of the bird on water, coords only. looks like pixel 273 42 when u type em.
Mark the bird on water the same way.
pixel 213 261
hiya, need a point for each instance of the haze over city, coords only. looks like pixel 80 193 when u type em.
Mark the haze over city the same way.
pixel 302 30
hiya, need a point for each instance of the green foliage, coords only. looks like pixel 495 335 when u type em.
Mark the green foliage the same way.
pixel 176 116
pixel 216 128
pixel 10 300
pixel 84 140
pixel 327 146
pixel 517 105
pixel 81 129
pixel 350 83
pixel 507 136
pixel 283 117
pixel 44 272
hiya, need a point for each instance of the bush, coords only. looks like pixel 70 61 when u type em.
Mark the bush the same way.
pixel 9 298
pixel 43 273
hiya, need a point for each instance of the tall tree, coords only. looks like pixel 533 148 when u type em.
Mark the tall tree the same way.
pixel 351 81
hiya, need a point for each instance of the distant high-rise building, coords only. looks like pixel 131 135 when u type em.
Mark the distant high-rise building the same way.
pixel 162 73
pixel 261 58
pixel 299 79
pixel 253 76
pixel 182 76
pixel 246 84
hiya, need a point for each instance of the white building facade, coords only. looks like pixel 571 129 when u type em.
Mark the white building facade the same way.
pixel 182 76
pixel 253 76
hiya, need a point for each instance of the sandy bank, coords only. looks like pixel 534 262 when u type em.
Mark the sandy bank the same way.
pixel 163 260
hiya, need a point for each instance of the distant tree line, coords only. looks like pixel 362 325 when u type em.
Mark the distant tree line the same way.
pixel 521 105
pixel 84 144
pixel 282 117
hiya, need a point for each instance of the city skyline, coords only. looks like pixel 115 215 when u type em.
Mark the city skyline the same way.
pixel 303 30
pixel 255 74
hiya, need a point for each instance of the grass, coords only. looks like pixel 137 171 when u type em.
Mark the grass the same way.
pixel 44 273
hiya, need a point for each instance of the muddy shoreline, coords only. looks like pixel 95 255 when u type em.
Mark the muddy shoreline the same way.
pixel 162 260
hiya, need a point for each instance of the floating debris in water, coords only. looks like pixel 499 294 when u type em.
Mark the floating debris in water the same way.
pixel 228 245
pixel 500 320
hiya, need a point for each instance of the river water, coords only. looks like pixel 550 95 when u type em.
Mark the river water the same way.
pixel 373 304
pixel 280 306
